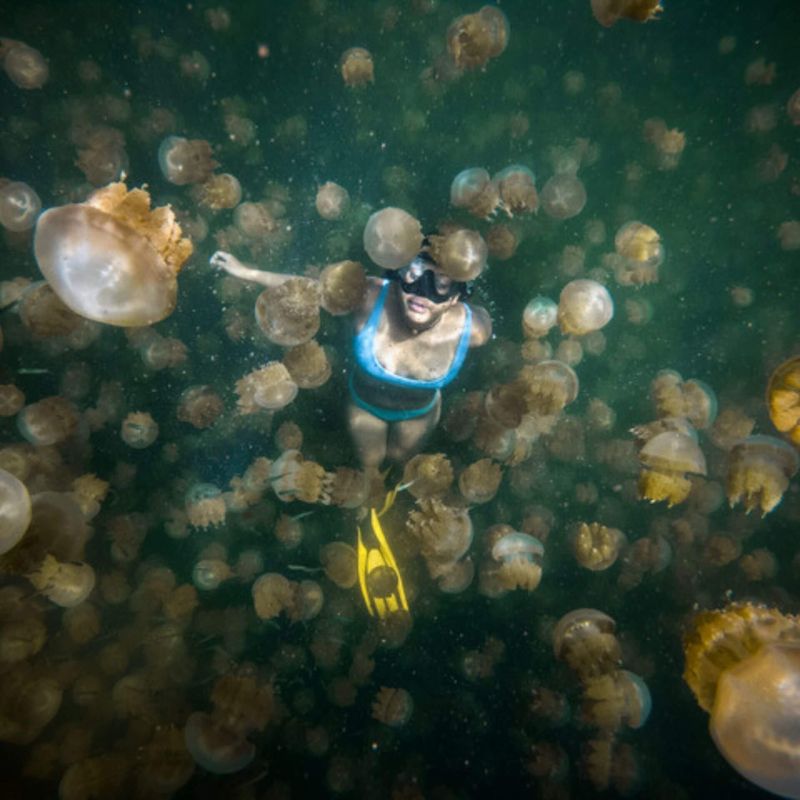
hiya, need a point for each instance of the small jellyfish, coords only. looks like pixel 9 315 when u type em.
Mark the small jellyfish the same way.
pixel 342 287
pixel 19 206
pixel 783 398
pixel 48 421
pixel 641 251
pixel 288 314
pixel 24 65
pixel 185 161
pixel 392 238
pixel 549 386
pixel 517 190
pixel 443 533
pixel 472 39
pixel 516 561
pixel 759 469
pixel 584 306
pixel 308 365
pixel 15 511
pixel 139 430
pixel 743 667
pixel 428 475
pixel 585 639
pixel 479 482
pixel 112 259
pixel 666 459
pixel 563 196
pixel 307 601
pixel 596 546
pixel 215 747
pixel 340 563
pixel 502 242
pixel 616 699
pixel 392 707
pixel 272 594
pixel 66 585
pixel 254 220
pixel 539 316
pixel 219 192
pixel 200 406
pixel 270 387
pixel 205 506
pixel 461 254
pixel 209 574
pixel 357 67
pixel 332 201
pixel 607 12
pixel 474 190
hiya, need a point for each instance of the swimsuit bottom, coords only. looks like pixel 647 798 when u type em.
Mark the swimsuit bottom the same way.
pixel 391 414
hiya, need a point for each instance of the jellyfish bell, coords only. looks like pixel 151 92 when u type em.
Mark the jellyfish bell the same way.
pixel 356 67
pixel 288 314
pixel 584 306
pixel 783 398
pixel 666 459
pixel 392 238
pixel 19 206
pixel 563 196
pixel 472 39
pixel 183 161
pixel 517 187
pixel 112 259
pixel 332 201
pixel 342 287
pixel 474 190
pixel 585 639
pixel 461 254
pixel 24 65
pixel 392 707
pixel 15 511
pixel 215 747
pixel 539 316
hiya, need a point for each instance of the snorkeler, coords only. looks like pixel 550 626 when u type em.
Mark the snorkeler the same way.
pixel 413 331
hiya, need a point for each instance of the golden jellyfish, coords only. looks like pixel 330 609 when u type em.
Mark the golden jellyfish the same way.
pixel 308 365
pixel 348 488
pixel 219 192
pixel 759 565
pixel 112 259
pixel 474 190
pixel 357 67
pixel 596 547
pixel 44 315
pixel 392 707
pixel 549 387
pixel 443 533
pixel 460 254
pixel 307 601
pixel 563 196
pixel 539 316
pixel 215 747
pixel 209 574
pixel 639 243
pixel 332 201
pixel 164 764
pixel 585 639
pixel 288 314
pixel 294 478
pixel 743 666
pixel 339 560
pixel 505 405
pixel 584 306
pixel 392 238
pixel 200 406
pixel 25 66
pixel 28 703
pixel 48 421
pixel 289 436
pixel 65 585
pixel 139 430
pixel 185 161
pixel 607 12
pixel 666 459
pixel 15 511
pixel 517 188
pixel 479 482
pixel 428 475
pixel 615 699
pixel 205 506
pixel 516 561
pixel 342 287
pixel 472 39
pixel 19 206
pixel 254 220
pixel 269 387
pixel 502 242
pixel 759 469
pixel 783 399
pixel 272 594
pixel 288 530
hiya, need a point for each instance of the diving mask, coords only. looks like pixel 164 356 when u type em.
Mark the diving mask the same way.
pixel 421 279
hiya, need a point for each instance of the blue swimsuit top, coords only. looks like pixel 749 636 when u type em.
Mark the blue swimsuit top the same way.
pixel 364 350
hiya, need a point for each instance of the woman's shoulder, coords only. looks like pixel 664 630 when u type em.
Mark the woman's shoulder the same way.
pixel 481 330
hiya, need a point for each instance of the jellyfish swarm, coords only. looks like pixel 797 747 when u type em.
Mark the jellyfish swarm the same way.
pixel 112 259
pixel 743 666
pixel 392 237
pixel 759 469
pixel 607 12
pixel 783 398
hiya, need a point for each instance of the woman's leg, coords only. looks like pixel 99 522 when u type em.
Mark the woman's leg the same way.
pixel 369 436
pixel 408 437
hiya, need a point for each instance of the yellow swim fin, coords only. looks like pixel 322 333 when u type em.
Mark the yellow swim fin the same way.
pixel 378 575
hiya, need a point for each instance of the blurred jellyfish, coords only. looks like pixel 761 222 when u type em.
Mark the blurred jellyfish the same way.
pixel 219 192
pixel 616 699
pixel 184 161
pixel 19 206
pixel 472 39
pixel 666 459
pixel 356 67
pixel 443 533
pixel 200 406
pixel 332 201
pixel 759 469
pixel 15 511
pixel 461 254
pixel 596 546
pixel 164 763
pixel 517 188
pixel 112 259
pixel 428 475
pixel 270 387
pixel 209 574
pixel 392 238
pixel 340 564
pixel 502 242
pixel 272 594
pixel 24 65
pixel 205 506
pixel 479 482
pixel 783 399
pixel 307 364
pixel 743 666
pixel 539 316
pixel 342 286
pixel 215 747
pixel 27 704
pixel 585 639
pixel 563 196
pixel 584 306
pixel 66 585
pixel 289 314
pixel 549 386
pixel 607 12
pixel 139 430
pixel 392 707
pixel 49 421
pixel 474 190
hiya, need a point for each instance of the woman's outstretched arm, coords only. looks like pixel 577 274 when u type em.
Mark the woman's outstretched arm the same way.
pixel 228 262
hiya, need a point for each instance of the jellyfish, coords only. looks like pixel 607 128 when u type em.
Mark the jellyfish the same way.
pixel 443 533
pixel 112 259
pixel 200 406
pixel 164 763
pixel 205 506
pixel 15 511
pixel 474 190
pixel 308 365
pixel 759 469
pixel 139 430
pixel 549 386
pixel 48 421
pixel 596 546
pixel 783 399
pixel 288 314
pixel 65 585
pixel 19 206
pixel 340 564
pixel 539 316
pixel 294 478
pixel 584 306
pixel 215 747
pixel 460 254
pixel 342 287
pixel 307 601
pixel 44 315
pixel 332 201
pixel 24 65
pixel 479 482
pixel 356 67
pixel 789 235
pixel 516 560
pixel 272 594
pixel 392 707
pixel 472 39
pixel 563 196
pixel 184 161
pixel 348 488
pixel 585 639
pixel 502 242
pixel 219 191
pixel 269 387
pixel 517 188
pixel 27 704
pixel 666 459
pixel 607 12
pixel 254 220
pixel 209 574
pixel 392 238
pixel 615 699
pixel 742 665
pixel 428 475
